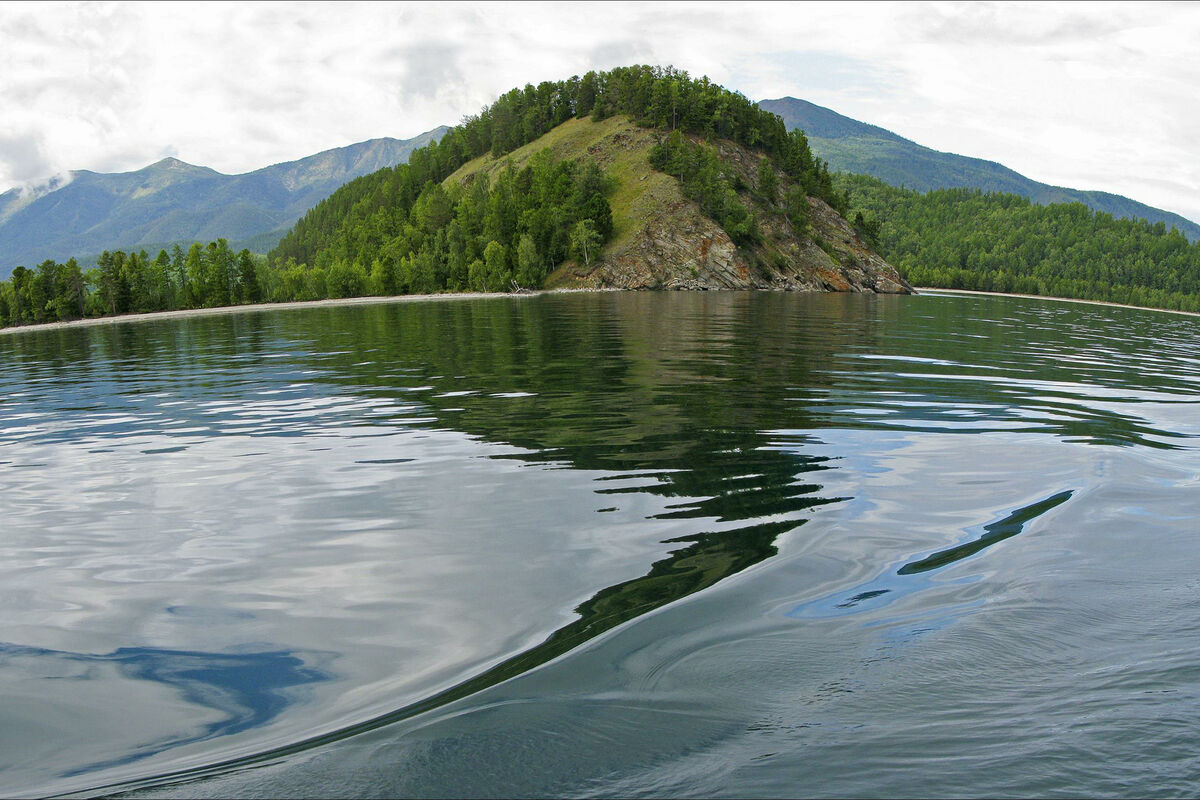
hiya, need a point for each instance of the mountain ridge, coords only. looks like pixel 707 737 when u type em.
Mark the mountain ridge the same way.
pixel 173 201
pixel 850 145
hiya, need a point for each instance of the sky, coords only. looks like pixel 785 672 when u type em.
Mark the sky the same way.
pixel 1085 95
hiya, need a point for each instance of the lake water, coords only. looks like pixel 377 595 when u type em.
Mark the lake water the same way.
pixel 653 544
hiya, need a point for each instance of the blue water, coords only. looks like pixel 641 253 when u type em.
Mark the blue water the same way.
pixel 646 544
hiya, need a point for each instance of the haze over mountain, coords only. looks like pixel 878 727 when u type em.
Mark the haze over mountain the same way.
pixel 852 146
pixel 172 201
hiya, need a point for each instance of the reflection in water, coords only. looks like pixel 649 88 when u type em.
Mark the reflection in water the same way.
pixel 248 689
pixel 607 397
pixel 342 472
pixel 887 584
pixel 993 532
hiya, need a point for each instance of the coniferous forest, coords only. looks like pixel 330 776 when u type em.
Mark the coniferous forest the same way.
pixel 403 230
pixel 967 239
pixel 407 229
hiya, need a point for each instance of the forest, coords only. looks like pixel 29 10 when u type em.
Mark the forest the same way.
pixel 203 277
pixel 997 242
pixel 407 229
pixel 402 229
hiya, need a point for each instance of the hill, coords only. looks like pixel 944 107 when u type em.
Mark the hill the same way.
pixel 675 182
pixel 661 239
pixel 637 178
pixel 856 147
pixel 172 201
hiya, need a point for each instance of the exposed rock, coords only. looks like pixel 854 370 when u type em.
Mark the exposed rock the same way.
pixel 662 240
pixel 677 247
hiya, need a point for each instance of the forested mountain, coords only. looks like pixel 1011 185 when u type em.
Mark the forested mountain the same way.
pixel 968 239
pixel 856 147
pixel 640 177
pixel 172 201
pixel 689 184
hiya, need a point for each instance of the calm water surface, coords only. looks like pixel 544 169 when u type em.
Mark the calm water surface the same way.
pixel 723 544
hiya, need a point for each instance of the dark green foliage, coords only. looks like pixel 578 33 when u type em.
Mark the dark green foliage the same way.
pixel 205 277
pixel 429 240
pixel 401 230
pixel 968 239
pixel 249 289
pixel 705 179
pixel 488 236
pixel 369 215
pixel 768 184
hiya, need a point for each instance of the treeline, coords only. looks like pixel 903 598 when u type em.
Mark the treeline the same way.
pixel 968 239
pixel 355 223
pixel 401 230
pixel 488 236
pixel 205 276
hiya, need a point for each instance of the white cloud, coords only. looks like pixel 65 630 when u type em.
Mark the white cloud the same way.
pixel 1089 96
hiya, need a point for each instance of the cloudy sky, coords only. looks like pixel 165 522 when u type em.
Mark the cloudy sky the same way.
pixel 1086 95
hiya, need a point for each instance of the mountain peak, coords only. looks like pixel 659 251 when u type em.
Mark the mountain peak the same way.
pixel 175 165
pixel 172 201
pixel 823 123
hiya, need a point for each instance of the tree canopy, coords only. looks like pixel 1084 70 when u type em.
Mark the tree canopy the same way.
pixel 358 220
pixel 968 239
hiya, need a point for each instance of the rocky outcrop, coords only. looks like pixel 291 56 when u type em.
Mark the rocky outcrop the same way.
pixel 662 240
pixel 675 246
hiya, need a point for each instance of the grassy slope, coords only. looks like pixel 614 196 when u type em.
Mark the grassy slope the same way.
pixel 620 148
pixel 648 206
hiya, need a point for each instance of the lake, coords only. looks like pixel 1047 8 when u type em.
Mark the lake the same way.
pixel 613 544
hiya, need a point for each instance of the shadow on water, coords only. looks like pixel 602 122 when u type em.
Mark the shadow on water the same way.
pixel 995 532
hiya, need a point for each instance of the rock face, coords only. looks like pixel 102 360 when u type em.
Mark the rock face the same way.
pixel 683 249
pixel 675 246
pixel 662 240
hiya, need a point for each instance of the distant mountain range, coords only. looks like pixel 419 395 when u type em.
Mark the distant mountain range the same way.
pixel 852 146
pixel 172 201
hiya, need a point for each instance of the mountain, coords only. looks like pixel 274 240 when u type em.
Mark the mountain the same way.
pixel 637 178
pixel 664 240
pixel 172 201
pixel 852 146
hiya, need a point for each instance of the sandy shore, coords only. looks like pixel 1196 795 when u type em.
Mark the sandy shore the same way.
pixel 419 298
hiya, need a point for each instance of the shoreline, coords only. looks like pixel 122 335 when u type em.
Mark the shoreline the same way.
pixel 976 292
pixel 184 313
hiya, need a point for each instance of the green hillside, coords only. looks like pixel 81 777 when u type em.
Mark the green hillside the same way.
pixel 510 196
pixel 968 239
pixel 637 178
pixel 856 147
